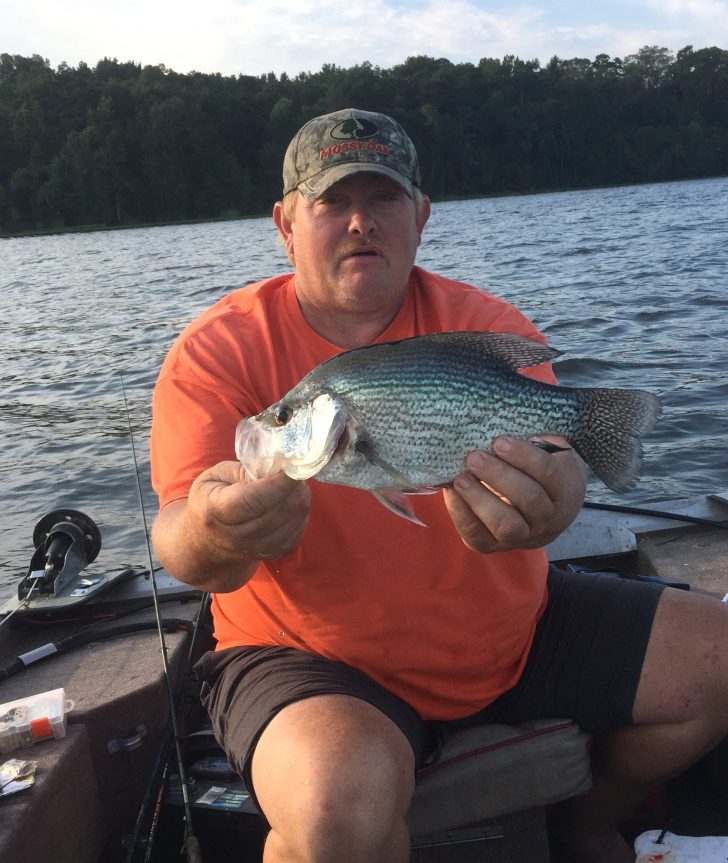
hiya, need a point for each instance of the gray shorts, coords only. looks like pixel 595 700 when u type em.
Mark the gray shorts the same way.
pixel 585 665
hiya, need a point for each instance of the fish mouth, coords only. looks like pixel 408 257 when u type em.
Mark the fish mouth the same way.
pixel 255 448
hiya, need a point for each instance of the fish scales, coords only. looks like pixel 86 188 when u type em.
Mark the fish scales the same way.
pixel 425 405
pixel 425 421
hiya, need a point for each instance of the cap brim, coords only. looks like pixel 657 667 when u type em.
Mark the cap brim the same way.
pixel 315 186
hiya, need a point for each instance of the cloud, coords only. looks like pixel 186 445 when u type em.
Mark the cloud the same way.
pixel 463 30
pixel 701 23
pixel 705 10
pixel 244 37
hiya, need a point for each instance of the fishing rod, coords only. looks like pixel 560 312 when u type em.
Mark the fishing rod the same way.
pixel 161 763
pixel 193 852
pixel 166 742
pixel 656 513
pixel 85 636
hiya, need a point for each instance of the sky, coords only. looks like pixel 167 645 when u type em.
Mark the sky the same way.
pixel 253 38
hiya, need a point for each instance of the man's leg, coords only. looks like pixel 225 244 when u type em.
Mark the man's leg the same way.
pixel 680 713
pixel 334 777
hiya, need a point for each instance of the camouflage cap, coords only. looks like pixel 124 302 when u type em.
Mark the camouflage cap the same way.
pixel 334 146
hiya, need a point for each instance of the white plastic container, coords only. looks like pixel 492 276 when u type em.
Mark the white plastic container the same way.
pixel 30 720
pixel 680 849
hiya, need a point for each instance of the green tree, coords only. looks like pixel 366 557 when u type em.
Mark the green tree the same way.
pixel 122 143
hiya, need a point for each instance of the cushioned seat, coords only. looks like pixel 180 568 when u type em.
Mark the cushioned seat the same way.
pixel 489 771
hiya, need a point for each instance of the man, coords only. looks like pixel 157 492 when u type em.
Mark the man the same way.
pixel 340 628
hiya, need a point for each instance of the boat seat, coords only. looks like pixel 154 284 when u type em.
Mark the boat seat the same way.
pixel 490 771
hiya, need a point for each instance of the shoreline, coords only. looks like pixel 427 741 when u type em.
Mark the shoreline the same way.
pixel 442 199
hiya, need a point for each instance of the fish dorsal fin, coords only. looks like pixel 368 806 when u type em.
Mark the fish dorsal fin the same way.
pixel 518 352
pixel 363 445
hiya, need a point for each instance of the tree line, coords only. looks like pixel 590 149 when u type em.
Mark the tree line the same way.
pixel 122 143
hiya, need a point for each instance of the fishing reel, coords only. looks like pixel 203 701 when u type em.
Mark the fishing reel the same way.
pixel 65 541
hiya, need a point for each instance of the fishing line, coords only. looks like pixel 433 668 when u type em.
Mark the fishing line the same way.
pixel 22 604
pixel 192 845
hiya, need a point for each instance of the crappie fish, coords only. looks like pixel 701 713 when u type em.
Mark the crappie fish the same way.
pixel 400 417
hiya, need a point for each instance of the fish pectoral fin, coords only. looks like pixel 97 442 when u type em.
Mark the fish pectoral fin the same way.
pixel 549 447
pixel 395 501
pixel 364 446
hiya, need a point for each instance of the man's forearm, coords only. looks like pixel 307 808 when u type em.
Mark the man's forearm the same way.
pixel 194 557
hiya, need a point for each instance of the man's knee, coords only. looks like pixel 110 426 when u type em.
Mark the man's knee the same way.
pixel 685 673
pixel 345 821
pixel 333 773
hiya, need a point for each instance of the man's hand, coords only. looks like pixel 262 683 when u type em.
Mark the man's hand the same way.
pixel 259 519
pixel 215 538
pixel 519 496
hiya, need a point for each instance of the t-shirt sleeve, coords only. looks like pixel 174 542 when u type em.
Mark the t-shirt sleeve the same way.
pixel 196 407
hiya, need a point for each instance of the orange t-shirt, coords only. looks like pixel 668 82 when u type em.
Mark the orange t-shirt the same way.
pixel 444 628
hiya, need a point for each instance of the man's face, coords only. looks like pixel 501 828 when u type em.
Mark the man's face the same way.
pixel 354 246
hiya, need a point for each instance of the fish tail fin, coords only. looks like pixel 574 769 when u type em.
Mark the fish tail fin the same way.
pixel 608 438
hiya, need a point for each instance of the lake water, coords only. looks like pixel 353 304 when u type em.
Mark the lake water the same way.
pixel 630 283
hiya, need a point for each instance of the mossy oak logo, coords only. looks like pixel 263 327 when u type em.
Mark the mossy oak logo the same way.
pixel 354 130
pixel 354 134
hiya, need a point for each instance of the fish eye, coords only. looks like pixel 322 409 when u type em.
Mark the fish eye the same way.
pixel 282 415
